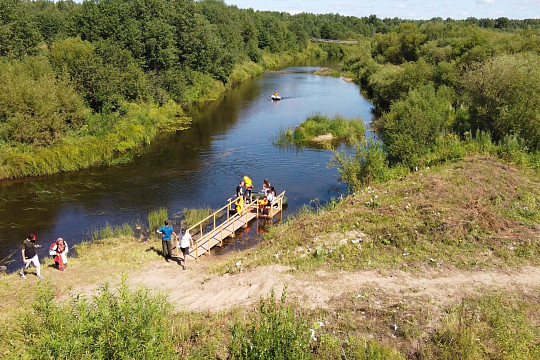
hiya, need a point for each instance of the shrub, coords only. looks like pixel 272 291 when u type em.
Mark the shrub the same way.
pixel 122 324
pixel 413 124
pixel 368 165
pixel 275 333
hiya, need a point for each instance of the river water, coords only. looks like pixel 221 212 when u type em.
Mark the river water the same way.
pixel 196 168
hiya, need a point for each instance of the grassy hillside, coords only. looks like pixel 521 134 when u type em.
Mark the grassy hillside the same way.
pixel 473 216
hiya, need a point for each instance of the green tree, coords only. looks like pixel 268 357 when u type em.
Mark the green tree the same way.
pixel 503 95
pixel 413 124
pixel 36 107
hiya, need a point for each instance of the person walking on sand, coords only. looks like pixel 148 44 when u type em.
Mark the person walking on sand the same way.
pixel 185 244
pixel 59 250
pixel 166 232
pixel 29 255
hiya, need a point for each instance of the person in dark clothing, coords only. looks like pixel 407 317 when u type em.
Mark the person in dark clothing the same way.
pixel 29 255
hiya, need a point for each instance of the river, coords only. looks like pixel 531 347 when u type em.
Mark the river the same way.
pixel 199 167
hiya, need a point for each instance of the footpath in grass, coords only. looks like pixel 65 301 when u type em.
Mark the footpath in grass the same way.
pixel 477 216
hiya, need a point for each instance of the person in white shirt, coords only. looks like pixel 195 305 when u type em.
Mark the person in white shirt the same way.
pixel 185 244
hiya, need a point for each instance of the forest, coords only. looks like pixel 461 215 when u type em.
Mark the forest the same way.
pixel 86 84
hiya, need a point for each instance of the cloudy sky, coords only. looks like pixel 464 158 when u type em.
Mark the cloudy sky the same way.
pixel 405 9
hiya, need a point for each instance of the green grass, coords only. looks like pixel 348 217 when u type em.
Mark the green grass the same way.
pixel 112 231
pixel 478 212
pixel 112 325
pixel 157 218
pixel 106 139
pixel 496 326
pixel 350 131
pixel 193 216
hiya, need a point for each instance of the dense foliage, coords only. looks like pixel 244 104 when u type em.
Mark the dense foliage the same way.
pixel 127 325
pixel 438 83
pixel 66 67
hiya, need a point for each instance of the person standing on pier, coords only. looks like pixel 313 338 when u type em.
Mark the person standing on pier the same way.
pixel 166 232
pixel 249 187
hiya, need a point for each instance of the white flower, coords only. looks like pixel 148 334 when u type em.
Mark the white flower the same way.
pixel 239 263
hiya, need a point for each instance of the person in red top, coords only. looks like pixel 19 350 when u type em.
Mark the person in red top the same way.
pixel 59 250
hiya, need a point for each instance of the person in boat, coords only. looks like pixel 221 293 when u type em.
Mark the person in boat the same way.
pixel 59 250
pixel 265 187
pixel 249 186
pixel 276 94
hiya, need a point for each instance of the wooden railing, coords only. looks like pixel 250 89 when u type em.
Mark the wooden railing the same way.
pixel 208 227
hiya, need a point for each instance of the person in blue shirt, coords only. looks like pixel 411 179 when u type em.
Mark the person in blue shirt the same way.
pixel 166 232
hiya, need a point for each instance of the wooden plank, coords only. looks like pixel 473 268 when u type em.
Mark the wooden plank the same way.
pixel 222 232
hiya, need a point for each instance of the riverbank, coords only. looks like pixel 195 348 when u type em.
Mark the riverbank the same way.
pixel 114 138
pixel 420 267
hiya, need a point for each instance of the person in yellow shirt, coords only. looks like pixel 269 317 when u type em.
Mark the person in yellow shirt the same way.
pixel 248 185
pixel 239 205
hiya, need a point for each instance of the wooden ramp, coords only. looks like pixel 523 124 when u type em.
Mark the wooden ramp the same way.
pixel 220 225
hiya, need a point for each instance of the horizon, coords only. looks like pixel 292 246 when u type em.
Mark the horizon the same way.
pixel 403 9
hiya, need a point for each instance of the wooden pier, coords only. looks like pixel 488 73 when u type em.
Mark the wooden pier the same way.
pixel 215 228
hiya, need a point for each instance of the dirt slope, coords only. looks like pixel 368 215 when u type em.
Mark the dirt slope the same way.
pixel 194 290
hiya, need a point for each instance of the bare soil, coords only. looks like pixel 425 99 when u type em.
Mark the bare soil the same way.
pixel 195 289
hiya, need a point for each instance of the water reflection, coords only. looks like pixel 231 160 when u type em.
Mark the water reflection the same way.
pixel 196 168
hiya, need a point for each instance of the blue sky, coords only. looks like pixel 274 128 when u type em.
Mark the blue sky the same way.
pixel 405 9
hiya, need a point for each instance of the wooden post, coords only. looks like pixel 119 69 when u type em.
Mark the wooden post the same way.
pixel 200 229
pixel 197 249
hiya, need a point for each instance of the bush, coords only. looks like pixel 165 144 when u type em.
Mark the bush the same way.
pixel 35 106
pixel 276 333
pixel 123 324
pixel 413 124
pixel 367 166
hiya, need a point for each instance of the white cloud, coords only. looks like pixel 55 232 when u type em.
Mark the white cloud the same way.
pixel 481 2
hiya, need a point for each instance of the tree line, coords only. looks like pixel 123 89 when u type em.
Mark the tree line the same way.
pixel 75 71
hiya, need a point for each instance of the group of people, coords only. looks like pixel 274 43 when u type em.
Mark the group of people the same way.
pixel 58 249
pixel 166 242
pixel 244 191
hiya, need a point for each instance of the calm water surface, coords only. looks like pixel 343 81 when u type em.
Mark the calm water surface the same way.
pixel 196 168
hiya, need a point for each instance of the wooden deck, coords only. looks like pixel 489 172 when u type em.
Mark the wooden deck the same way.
pixel 211 232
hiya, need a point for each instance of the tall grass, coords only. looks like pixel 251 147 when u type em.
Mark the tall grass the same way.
pixel 157 218
pixel 496 326
pixel 193 216
pixel 351 131
pixel 105 139
pixel 112 231
pixel 275 333
pixel 122 324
